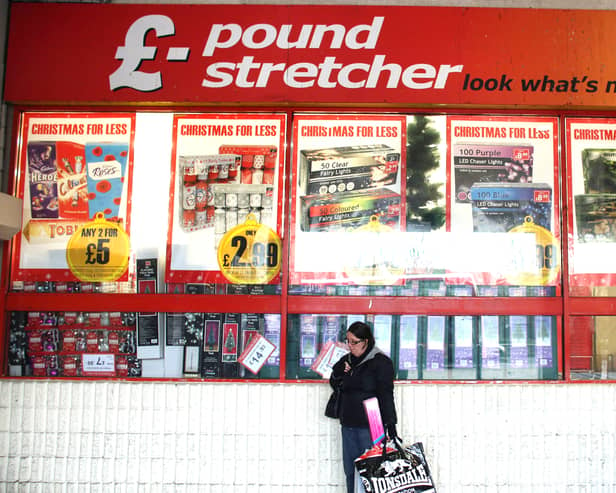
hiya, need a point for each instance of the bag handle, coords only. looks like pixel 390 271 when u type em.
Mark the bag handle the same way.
pixel 398 443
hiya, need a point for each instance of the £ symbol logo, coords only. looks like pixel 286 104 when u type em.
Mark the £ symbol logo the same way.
pixel 134 52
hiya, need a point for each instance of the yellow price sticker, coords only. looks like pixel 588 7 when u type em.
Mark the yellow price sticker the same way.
pixel 547 266
pixel 98 251
pixel 250 253
pixel 375 266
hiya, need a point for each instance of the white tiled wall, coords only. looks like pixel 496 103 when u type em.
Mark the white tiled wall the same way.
pixel 221 437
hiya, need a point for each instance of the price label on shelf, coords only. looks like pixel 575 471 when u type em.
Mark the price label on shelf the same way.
pixel 250 253
pixel 256 353
pixel 98 251
pixel 98 364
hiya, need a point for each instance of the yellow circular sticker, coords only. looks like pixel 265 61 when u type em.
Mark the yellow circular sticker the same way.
pixel 375 265
pixel 547 266
pixel 98 251
pixel 250 253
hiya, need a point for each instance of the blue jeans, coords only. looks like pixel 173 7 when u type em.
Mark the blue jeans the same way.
pixel 355 441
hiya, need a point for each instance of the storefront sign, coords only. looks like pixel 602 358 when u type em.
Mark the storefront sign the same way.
pixel 311 53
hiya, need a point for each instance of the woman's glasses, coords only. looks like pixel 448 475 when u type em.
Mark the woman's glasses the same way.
pixel 354 343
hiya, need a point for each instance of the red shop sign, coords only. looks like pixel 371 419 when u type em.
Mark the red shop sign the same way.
pixel 306 54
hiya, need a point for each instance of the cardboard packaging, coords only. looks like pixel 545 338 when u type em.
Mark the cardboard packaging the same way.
pixel 42 175
pixel 210 360
pixel 499 207
pixel 149 327
pixel 350 210
pixel 595 216
pixel 10 216
pixel 345 169
pixel 106 172
pixel 483 163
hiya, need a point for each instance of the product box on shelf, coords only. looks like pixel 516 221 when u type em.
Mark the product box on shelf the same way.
pixel 251 326
pixel 174 322
pixel 271 331
pixel 210 360
pixel 253 289
pixel 149 337
pixel 230 345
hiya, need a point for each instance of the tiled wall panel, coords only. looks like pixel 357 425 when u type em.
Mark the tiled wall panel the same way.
pixel 170 437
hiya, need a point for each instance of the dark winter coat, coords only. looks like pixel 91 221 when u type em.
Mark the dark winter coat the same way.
pixel 371 376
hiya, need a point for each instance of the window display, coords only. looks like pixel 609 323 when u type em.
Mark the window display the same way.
pixel 107 344
pixel 73 344
pixel 434 347
pixel 348 190
pixel 305 167
pixel 380 205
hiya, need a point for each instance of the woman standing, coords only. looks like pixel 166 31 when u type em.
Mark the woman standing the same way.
pixel 363 373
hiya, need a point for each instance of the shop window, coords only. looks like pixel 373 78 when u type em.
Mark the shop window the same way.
pixel 120 345
pixel 207 205
pixel 433 347
pixel 412 205
pixel 591 155
pixel 592 348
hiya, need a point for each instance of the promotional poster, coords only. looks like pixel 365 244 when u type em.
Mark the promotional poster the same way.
pixel 74 168
pixel 349 175
pixel 591 145
pixel 226 169
pixel 502 180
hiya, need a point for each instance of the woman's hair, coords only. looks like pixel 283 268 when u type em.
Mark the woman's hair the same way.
pixel 362 331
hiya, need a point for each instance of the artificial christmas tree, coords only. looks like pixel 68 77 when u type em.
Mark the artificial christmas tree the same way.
pixel 423 212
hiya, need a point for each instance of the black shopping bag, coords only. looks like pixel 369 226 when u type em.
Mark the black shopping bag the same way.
pixel 395 468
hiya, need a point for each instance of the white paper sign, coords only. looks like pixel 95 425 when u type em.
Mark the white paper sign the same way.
pixel 328 357
pixel 98 363
pixel 256 353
